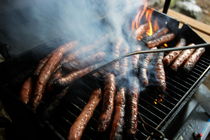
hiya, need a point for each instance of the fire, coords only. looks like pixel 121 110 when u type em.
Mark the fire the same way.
pixel 138 17
pixel 148 16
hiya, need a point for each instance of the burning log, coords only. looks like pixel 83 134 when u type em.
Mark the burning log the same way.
pixel 118 121
pixel 157 34
pixel 141 30
pixel 47 70
pixel 80 124
pixel 185 54
pixel 161 40
pixel 108 102
pixel 90 60
pixel 171 56
pixel 74 75
pixel 190 63
pixel 133 96
pixel 26 90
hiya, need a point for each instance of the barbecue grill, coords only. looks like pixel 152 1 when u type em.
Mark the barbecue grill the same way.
pixel 160 116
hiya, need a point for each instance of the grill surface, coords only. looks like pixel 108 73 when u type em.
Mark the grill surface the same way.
pixel 180 87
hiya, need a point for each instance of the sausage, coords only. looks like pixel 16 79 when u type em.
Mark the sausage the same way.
pixel 124 62
pixel 135 59
pixel 47 70
pixel 26 90
pixel 141 30
pixel 157 34
pixel 118 121
pixel 81 64
pixel 85 50
pixel 41 64
pixel 67 79
pixel 116 54
pixel 185 54
pixel 80 124
pixel 161 40
pixel 143 68
pixel 190 63
pixel 133 96
pixel 160 72
pixel 108 102
pixel 171 56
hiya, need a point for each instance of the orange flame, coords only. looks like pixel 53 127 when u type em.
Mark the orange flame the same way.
pixel 138 17
pixel 156 26
pixel 148 16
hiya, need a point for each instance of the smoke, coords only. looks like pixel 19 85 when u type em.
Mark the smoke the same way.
pixel 26 24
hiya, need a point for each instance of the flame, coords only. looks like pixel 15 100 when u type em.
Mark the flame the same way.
pixel 156 26
pixel 148 16
pixel 138 17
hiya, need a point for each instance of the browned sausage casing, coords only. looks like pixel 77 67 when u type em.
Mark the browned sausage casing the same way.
pixel 67 79
pixel 79 125
pixel 157 34
pixel 141 30
pixel 160 72
pixel 47 70
pixel 81 64
pixel 185 54
pixel 133 106
pixel 171 56
pixel 26 90
pixel 163 39
pixel 108 102
pixel 190 63
pixel 143 68
pixel 118 121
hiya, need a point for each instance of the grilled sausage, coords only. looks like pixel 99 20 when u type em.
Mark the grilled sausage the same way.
pixel 190 63
pixel 141 30
pixel 133 106
pixel 79 125
pixel 81 64
pixel 118 121
pixel 108 102
pixel 160 72
pixel 157 34
pixel 85 50
pixel 135 59
pixel 41 64
pixel 161 40
pixel 171 56
pixel 124 62
pixel 67 79
pixel 143 68
pixel 47 70
pixel 116 54
pixel 185 54
pixel 26 90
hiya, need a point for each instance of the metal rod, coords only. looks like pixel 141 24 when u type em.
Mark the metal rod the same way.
pixel 168 49
pixel 153 51
pixel 166 6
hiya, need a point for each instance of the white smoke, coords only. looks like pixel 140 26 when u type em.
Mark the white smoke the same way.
pixel 25 24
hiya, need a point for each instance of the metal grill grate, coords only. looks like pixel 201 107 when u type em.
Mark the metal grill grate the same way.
pixel 154 114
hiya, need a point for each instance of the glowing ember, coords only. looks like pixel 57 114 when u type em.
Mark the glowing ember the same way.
pixel 165 45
